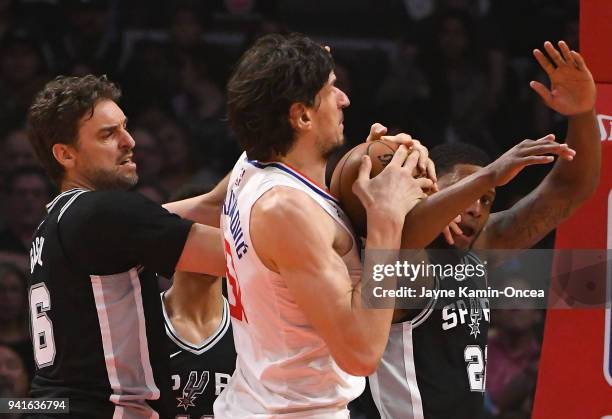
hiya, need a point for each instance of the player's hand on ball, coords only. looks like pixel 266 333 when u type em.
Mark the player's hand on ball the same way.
pixel 572 89
pixel 377 130
pixel 394 191
pixel 527 153
pixel 425 164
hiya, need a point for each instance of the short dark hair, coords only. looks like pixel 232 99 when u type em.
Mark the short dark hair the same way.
pixel 15 174
pixel 276 72
pixel 56 111
pixel 446 156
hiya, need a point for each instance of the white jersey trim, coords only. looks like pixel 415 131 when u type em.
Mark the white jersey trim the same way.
pixel 207 343
pixel 51 204
pixel 415 394
pixel 67 204
pixel 297 175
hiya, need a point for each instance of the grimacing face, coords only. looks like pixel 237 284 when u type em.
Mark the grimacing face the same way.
pixel 104 149
pixel 474 217
pixel 328 116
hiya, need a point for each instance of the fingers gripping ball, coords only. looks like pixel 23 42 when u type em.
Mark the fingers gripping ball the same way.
pixel 346 173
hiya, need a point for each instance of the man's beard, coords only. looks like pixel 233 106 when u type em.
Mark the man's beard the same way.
pixel 326 149
pixel 112 180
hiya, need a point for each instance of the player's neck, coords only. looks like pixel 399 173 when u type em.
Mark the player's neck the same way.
pixel 72 183
pixel 306 160
pixel 195 299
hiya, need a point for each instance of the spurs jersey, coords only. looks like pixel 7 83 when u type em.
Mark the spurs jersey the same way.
pixel 434 365
pixel 95 312
pixel 283 367
pixel 198 373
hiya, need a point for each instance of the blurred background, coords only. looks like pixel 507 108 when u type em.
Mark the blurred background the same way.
pixel 441 70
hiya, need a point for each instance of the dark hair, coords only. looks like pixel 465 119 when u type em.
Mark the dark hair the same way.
pixel 446 156
pixel 13 175
pixel 9 268
pixel 276 72
pixel 56 111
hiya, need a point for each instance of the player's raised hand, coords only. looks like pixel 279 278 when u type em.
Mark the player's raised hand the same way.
pixel 572 89
pixel 393 192
pixel 527 153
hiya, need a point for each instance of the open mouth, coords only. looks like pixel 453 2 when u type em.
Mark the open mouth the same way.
pixel 467 230
pixel 127 161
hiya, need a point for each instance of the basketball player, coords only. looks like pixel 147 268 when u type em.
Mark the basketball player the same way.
pixel 435 361
pixel 96 317
pixel 301 333
pixel 198 327
pixel 202 353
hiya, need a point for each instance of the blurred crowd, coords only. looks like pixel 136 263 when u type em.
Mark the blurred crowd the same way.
pixel 441 70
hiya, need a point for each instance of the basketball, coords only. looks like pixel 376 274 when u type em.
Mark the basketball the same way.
pixel 346 173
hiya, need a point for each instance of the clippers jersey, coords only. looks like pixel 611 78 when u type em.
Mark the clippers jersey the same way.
pixel 434 365
pixel 198 373
pixel 284 368
pixel 95 313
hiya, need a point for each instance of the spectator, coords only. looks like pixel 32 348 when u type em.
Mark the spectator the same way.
pixel 22 74
pixel 179 166
pixel 16 151
pixel 90 37
pixel 512 365
pixel 457 83
pixel 152 191
pixel 13 378
pixel 14 330
pixel 147 155
pixel 27 192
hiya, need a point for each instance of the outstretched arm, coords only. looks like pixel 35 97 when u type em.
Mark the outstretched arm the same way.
pixel 425 222
pixel 571 181
pixel 203 209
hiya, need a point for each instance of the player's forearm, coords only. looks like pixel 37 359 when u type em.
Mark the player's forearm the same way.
pixel 204 209
pixel 363 338
pixel 579 177
pixel 203 251
pixel 199 209
pixel 427 219
pixel 369 318
pixel 383 232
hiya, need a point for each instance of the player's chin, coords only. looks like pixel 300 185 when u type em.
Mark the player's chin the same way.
pixel 128 180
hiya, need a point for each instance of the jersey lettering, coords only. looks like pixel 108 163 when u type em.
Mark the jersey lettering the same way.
pixel 36 253
pixel 221 381
pixel 235 297
pixel 42 327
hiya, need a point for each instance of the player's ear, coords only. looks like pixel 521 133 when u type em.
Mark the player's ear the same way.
pixel 299 117
pixel 64 154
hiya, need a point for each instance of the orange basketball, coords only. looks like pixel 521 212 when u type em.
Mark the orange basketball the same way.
pixel 346 173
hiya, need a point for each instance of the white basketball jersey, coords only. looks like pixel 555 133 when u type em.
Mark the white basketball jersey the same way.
pixel 284 367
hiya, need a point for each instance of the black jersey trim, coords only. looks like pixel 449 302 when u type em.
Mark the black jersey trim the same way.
pixel 205 345
pixel 51 204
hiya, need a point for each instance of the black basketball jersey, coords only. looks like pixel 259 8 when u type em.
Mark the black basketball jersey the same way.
pixel 96 317
pixel 434 365
pixel 198 373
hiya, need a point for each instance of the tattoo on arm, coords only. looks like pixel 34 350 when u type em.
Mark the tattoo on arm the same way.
pixel 527 222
